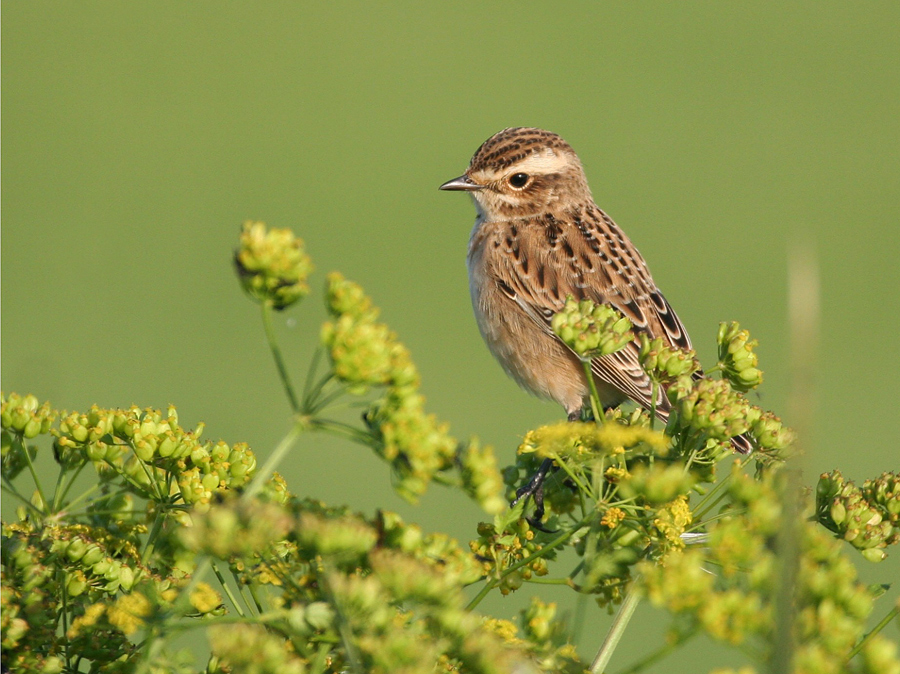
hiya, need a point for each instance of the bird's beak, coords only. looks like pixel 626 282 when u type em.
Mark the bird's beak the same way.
pixel 462 184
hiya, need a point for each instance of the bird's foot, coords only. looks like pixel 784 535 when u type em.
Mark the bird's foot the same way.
pixel 535 486
pixel 535 489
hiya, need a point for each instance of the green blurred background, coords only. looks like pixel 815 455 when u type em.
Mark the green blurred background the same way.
pixel 137 136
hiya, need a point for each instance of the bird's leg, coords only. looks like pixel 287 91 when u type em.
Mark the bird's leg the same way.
pixel 535 486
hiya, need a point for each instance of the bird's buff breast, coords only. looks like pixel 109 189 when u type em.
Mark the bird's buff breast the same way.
pixel 536 360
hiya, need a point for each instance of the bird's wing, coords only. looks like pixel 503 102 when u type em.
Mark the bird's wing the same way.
pixel 544 260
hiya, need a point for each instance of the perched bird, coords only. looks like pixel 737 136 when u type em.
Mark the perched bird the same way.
pixel 538 238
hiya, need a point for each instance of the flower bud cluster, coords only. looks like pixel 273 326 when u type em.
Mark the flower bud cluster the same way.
pixel 215 468
pixel 28 586
pixel 772 438
pixel 272 265
pixel 546 636
pixel 21 418
pixel 436 549
pixel 664 364
pixel 236 527
pixel 737 602
pixel 656 484
pixel 498 549
pixel 591 330
pixel 649 523
pixel 670 522
pixel 637 513
pixel 884 492
pixel 251 649
pixel 276 490
pixel 355 574
pixel 586 441
pixel 345 539
pixel 481 478
pixel 41 565
pixel 710 406
pixel 737 360
pixel 128 612
pixel 360 352
pixel 97 634
pixel 90 564
pixel 392 587
pixel 364 354
pixel 159 445
pixel 386 641
pixel 408 579
pixel 867 518
pixel 416 444
pixel 25 416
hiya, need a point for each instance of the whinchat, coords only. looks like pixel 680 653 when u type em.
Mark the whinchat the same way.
pixel 538 238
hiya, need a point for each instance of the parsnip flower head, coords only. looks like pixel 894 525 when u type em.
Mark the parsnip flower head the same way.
pixel 272 265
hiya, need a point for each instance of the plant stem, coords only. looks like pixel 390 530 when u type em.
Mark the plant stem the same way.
pixel 616 630
pixel 158 521
pixel 311 372
pixel 317 666
pixel 37 482
pixel 90 490
pixel 884 622
pixel 699 511
pixel 596 407
pixel 8 486
pixel 57 490
pixel 310 398
pixel 323 402
pixel 256 601
pixel 65 492
pixel 551 581
pixel 276 354
pixel 488 586
pixel 660 652
pixel 339 427
pixel 698 516
pixel 582 489
pixel 65 612
pixel 788 550
pixel 272 462
pixel 227 590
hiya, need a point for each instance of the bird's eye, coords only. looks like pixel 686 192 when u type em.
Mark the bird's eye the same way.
pixel 518 180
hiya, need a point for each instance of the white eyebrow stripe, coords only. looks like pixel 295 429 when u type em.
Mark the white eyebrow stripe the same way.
pixel 546 161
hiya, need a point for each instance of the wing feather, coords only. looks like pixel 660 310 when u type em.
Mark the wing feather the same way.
pixel 587 256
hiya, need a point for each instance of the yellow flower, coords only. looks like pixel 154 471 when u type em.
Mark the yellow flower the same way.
pixel 612 517
pixel 128 612
pixel 91 615
pixel 204 598
pixel 672 519
pixel 504 629
pixel 577 439
pixel 615 475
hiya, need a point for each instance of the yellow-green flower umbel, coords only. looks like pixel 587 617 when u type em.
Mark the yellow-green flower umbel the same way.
pixel 272 265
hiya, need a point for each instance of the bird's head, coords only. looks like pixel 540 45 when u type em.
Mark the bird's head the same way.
pixel 521 172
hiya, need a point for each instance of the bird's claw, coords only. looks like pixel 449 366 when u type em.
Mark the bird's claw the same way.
pixel 535 489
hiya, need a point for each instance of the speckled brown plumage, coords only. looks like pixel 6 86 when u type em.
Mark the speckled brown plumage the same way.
pixel 536 243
